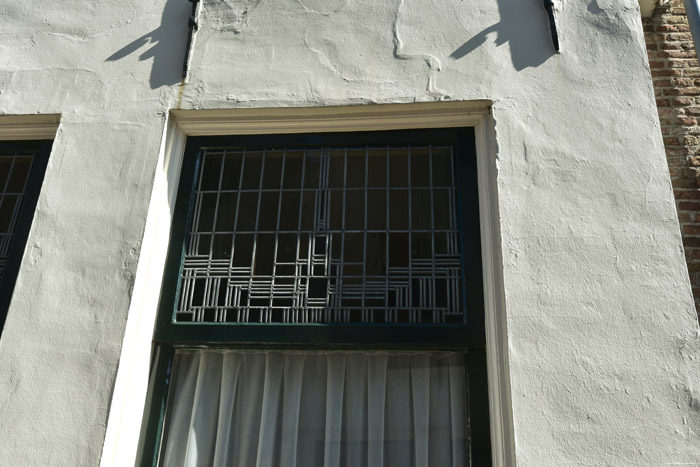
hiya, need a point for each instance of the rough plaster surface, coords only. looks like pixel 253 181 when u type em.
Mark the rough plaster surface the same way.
pixel 603 340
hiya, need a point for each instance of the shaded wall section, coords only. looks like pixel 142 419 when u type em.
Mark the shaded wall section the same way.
pixel 676 74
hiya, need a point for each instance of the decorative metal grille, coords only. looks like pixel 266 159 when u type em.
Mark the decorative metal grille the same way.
pixel 14 172
pixel 323 235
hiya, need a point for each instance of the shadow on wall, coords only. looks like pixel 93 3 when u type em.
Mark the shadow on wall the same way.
pixel 165 44
pixel 524 26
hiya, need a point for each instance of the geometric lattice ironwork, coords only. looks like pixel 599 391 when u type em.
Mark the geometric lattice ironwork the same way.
pixel 14 172
pixel 323 235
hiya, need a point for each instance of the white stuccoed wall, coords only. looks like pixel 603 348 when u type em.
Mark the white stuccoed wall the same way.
pixel 603 341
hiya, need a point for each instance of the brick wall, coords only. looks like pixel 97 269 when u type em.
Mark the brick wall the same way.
pixel 676 74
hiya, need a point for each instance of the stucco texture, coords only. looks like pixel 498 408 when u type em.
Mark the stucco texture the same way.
pixel 602 334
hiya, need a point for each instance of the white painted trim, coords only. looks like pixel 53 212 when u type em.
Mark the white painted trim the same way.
pixel 28 127
pixel 500 405
pixel 131 384
pixel 326 119
pixel 124 423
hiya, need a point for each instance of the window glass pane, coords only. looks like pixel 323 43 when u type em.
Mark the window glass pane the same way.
pixel 5 167
pixel 442 167
pixel 420 209
pixel 420 167
pixel 252 165
pixel 376 170
pixel 226 214
pixel 211 171
pixel 398 209
pixel 293 167
pixel 289 218
pixel 312 169
pixel 336 172
pixel 376 210
pixel 272 175
pixel 231 177
pixel 354 210
pixel 398 168
pixel 356 169
pixel 20 172
pixel 269 202
pixel 247 211
pixel 8 207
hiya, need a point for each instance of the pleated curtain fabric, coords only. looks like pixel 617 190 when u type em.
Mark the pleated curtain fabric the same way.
pixel 316 408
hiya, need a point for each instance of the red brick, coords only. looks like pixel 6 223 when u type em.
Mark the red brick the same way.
pixel 678 63
pixel 691 241
pixel 687 194
pixel 684 91
pixel 667 72
pixel 689 206
pixel 656 64
pixel 679 36
pixel 683 81
pixel 667 28
pixel 685 183
pixel 678 54
pixel 684 101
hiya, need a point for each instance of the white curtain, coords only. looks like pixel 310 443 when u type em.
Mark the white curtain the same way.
pixel 247 408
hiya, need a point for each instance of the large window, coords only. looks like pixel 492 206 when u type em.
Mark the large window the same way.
pixel 322 305
pixel 22 167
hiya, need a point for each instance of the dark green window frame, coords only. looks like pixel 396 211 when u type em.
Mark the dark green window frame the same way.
pixel 40 150
pixel 469 336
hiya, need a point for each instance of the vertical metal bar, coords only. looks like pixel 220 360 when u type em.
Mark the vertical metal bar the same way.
pixel 342 226
pixel 365 315
pixel 386 240
pixel 298 304
pixel 255 241
pixel 208 278
pixel 411 305
pixel 277 228
pixel 432 238
pixel 236 297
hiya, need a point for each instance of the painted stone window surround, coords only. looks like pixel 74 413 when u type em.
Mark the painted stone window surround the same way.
pixel 130 389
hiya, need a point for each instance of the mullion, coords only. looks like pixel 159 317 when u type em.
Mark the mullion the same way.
pixel 277 224
pixel 232 290
pixel 432 237
pixel 411 305
pixel 208 295
pixel 253 257
pixel 365 313
pixel 299 312
pixel 342 226
pixel 387 312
